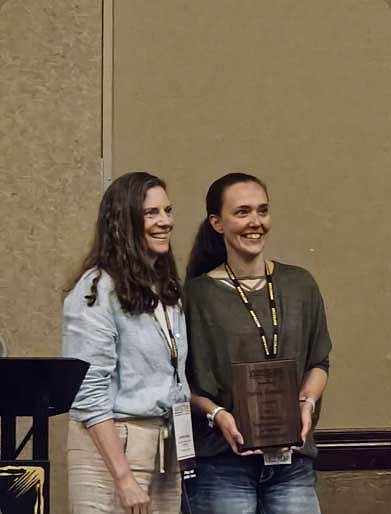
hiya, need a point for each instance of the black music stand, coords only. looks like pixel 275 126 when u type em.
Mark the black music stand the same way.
pixel 36 387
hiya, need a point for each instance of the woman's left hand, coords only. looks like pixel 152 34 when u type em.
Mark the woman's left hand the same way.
pixel 306 423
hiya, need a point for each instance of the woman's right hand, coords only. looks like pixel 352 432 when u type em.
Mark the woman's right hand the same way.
pixel 131 496
pixel 227 424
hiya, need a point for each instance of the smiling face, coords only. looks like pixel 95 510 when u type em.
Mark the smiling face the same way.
pixel 244 221
pixel 158 221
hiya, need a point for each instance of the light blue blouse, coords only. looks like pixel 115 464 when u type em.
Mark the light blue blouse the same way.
pixel 130 372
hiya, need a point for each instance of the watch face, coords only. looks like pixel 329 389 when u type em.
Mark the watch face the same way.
pixel 210 418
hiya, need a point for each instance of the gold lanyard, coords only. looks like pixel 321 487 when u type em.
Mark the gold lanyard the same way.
pixel 269 352
pixel 172 344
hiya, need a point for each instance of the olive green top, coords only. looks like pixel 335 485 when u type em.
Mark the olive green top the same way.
pixel 221 332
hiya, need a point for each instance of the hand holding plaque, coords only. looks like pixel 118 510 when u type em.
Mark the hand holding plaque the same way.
pixel 266 403
pixel 265 393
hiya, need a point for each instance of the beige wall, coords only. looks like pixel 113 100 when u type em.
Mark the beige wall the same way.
pixel 49 173
pixel 297 92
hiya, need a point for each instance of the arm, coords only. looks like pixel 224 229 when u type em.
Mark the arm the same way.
pixel 315 378
pixel 130 494
pixel 314 384
pixel 202 374
pixel 223 419
pixel 90 333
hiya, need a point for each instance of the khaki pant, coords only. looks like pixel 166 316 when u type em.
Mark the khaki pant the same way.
pixel 91 489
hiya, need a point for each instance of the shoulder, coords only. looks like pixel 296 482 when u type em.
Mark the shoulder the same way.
pixel 294 276
pixel 198 283
pixel 105 282
pixel 197 287
pixel 105 286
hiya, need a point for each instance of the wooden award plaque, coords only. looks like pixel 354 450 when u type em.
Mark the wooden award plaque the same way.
pixel 266 403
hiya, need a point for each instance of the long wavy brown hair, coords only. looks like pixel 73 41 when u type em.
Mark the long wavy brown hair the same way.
pixel 119 249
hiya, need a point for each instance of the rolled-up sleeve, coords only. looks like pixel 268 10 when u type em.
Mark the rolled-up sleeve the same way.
pixel 90 334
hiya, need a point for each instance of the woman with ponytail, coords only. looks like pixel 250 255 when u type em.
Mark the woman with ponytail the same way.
pixel 228 272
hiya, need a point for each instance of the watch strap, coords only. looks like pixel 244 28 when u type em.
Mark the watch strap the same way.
pixel 210 416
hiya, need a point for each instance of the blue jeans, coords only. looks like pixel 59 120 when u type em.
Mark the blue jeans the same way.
pixel 230 484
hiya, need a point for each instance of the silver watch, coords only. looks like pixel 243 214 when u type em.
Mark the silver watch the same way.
pixel 210 416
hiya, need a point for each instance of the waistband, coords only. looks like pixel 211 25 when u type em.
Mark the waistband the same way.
pixel 151 421
pixel 160 423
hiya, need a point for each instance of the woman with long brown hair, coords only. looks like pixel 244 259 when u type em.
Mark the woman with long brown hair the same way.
pixel 242 308
pixel 123 315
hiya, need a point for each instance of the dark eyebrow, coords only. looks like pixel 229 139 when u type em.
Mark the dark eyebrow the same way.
pixel 168 206
pixel 249 206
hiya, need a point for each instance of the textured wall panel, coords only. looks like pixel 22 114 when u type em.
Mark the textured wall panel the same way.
pixel 300 93
pixel 355 493
pixel 50 182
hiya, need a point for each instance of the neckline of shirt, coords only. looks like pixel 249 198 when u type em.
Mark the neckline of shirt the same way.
pixel 221 283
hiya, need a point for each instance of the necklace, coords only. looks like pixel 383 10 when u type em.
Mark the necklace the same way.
pixel 256 286
pixel 251 277
pixel 270 350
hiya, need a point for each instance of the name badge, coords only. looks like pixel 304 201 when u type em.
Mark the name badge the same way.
pixel 184 438
pixel 275 459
